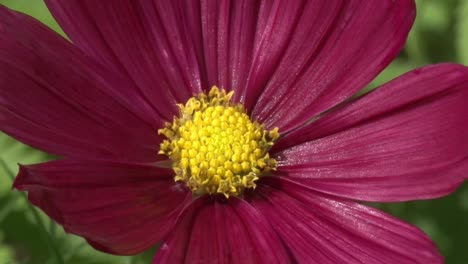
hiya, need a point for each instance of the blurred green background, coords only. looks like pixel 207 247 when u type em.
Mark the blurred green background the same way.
pixel 439 34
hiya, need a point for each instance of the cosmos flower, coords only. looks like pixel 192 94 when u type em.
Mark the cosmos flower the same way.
pixel 222 129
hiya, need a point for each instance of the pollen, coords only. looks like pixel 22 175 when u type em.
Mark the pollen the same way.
pixel 215 147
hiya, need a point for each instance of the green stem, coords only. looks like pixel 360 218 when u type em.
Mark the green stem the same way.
pixel 39 222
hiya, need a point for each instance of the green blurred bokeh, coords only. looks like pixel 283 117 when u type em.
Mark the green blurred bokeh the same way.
pixel 440 34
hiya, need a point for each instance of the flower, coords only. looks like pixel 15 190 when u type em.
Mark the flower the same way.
pixel 138 80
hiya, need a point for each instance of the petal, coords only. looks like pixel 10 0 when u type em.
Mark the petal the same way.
pixel 56 99
pixel 180 47
pixel 225 32
pixel 119 208
pixel 217 231
pixel 143 40
pixel 320 229
pixel 406 140
pixel 184 46
pixel 236 45
pixel 324 52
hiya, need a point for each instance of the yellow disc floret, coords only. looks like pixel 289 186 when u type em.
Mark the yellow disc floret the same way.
pixel 215 147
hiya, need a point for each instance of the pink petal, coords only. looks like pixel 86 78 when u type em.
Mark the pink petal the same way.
pixel 215 231
pixel 275 21
pixel 312 56
pixel 119 208
pixel 406 140
pixel 147 41
pixel 283 46
pixel 54 98
pixel 320 229
pixel 225 39
pixel 173 49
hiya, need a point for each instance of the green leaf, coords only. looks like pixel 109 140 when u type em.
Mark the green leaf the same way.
pixel 39 221
pixel 13 152
pixel 6 252
pixel 462 32
pixel 36 9
pixel 395 69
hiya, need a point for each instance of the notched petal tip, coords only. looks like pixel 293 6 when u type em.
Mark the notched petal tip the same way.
pixel 21 178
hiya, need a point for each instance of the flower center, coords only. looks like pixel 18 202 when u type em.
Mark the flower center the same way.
pixel 215 147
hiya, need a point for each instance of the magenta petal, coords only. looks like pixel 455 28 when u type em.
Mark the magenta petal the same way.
pixel 334 48
pixel 320 229
pixel 406 140
pixel 227 34
pixel 222 232
pixel 119 208
pixel 134 39
pixel 54 98
pixel 275 21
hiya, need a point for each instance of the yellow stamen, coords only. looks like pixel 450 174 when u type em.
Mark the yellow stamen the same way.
pixel 215 147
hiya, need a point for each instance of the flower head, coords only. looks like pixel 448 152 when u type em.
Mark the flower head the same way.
pixel 215 147
pixel 221 129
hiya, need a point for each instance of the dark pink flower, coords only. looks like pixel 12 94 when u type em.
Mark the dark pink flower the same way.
pixel 100 102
